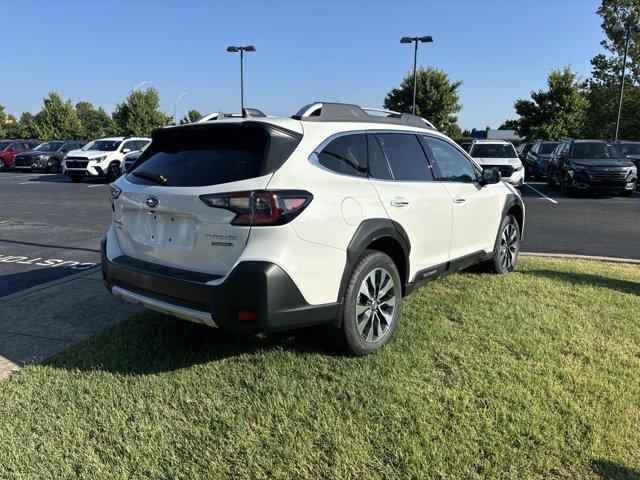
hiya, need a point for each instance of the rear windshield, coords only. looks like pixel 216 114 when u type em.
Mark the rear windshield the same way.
pixel 587 150
pixel 630 148
pixel 547 147
pixel 203 155
pixel 493 150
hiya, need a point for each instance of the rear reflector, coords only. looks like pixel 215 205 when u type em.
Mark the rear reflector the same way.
pixel 261 207
pixel 247 316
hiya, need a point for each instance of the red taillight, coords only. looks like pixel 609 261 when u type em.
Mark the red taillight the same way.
pixel 261 207
pixel 247 315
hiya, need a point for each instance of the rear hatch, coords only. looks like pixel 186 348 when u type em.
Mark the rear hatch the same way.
pixel 159 215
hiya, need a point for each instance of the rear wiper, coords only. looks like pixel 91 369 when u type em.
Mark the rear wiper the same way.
pixel 154 177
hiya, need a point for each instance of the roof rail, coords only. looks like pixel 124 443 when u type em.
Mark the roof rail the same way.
pixel 344 112
pixel 246 113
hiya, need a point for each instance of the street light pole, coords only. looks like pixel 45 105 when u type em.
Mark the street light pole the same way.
pixel 175 107
pixel 415 40
pixel 628 31
pixel 241 49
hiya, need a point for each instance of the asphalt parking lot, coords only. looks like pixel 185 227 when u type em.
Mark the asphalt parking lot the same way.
pixel 51 228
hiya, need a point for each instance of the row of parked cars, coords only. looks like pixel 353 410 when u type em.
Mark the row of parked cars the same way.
pixel 584 165
pixel 105 157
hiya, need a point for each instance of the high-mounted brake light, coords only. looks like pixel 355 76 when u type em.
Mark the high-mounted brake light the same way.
pixel 261 207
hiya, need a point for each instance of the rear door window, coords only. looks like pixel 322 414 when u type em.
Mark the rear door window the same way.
pixel 406 157
pixel 202 155
pixel 346 154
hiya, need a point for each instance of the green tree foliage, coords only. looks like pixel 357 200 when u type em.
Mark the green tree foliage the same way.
pixel 95 122
pixel 604 85
pixel 57 120
pixel 192 116
pixel 509 125
pixel 140 113
pixel 437 98
pixel 554 113
pixel 3 119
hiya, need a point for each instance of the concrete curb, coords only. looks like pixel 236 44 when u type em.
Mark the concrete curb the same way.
pixel 631 261
pixel 37 288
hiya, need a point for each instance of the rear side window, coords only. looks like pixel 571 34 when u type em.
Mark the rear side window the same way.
pixel 202 155
pixel 346 155
pixel 451 162
pixel 378 165
pixel 406 157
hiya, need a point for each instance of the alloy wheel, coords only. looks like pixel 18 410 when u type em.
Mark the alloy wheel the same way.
pixel 509 247
pixel 375 305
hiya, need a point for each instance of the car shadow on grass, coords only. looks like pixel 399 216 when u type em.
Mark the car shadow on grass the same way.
pixel 625 286
pixel 609 470
pixel 150 343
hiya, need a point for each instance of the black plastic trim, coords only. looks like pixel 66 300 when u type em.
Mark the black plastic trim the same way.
pixel 259 286
pixel 442 270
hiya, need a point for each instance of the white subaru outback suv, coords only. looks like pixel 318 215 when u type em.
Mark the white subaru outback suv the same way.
pixel 101 158
pixel 499 154
pixel 331 216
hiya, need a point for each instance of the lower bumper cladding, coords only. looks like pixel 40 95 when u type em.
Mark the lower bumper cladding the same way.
pixel 255 297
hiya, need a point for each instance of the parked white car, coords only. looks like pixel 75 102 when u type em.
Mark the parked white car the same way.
pixel 501 155
pixel 101 158
pixel 330 216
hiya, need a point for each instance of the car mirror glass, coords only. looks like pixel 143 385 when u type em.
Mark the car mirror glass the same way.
pixel 490 175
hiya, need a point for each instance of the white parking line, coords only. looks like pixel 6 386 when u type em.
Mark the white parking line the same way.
pixel 540 193
pixel 96 185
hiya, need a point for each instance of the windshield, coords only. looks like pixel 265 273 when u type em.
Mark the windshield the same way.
pixel 630 148
pixel 102 145
pixel 547 147
pixel 4 144
pixel 49 146
pixel 595 150
pixel 493 150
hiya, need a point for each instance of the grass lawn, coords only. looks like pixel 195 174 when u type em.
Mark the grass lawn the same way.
pixel 534 374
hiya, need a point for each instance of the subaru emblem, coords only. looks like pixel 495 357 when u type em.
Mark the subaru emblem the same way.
pixel 152 202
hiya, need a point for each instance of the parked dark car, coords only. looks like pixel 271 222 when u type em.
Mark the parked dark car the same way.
pixel 10 148
pixel 591 165
pixel 631 150
pixel 523 149
pixel 537 159
pixel 46 156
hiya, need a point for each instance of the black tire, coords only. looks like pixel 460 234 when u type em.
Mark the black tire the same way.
pixel 113 171
pixel 76 178
pixel 565 189
pixel 627 193
pixel 497 262
pixel 53 166
pixel 366 332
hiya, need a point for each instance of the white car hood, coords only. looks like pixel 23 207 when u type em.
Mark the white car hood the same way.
pixel 87 153
pixel 498 161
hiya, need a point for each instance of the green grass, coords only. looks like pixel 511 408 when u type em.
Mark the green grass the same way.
pixel 530 375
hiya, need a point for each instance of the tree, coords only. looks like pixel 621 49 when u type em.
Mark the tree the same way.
pixel 509 125
pixel 57 120
pixel 604 85
pixel 3 119
pixel 554 113
pixel 437 98
pixel 192 116
pixel 140 113
pixel 95 122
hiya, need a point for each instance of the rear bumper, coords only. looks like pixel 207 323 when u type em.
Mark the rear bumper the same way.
pixel 255 286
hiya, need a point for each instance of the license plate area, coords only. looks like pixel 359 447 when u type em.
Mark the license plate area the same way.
pixel 161 229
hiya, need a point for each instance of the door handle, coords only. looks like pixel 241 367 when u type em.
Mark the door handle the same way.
pixel 399 203
pixel 459 199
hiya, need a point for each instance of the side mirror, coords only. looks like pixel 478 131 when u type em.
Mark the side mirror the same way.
pixel 490 175
pixel 64 150
pixel 126 150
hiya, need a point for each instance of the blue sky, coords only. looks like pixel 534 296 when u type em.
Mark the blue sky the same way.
pixel 347 51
